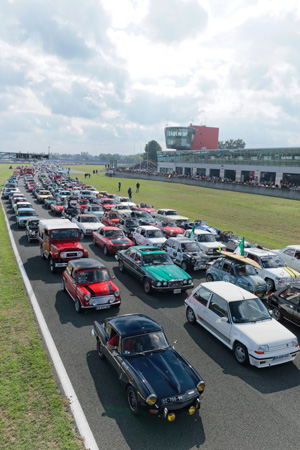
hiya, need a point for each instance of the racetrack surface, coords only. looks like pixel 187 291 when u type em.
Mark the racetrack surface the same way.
pixel 243 407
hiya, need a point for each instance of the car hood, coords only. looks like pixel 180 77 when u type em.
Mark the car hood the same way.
pixel 90 226
pixel 155 241
pixel 196 255
pixel 68 245
pixel 176 230
pixel 266 332
pixel 166 372
pixel 254 280
pixel 166 273
pixel 99 289
pixel 213 244
pixel 120 241
pixel 281 272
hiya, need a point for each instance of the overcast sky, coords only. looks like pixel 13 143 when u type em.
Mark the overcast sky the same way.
pixel 106 76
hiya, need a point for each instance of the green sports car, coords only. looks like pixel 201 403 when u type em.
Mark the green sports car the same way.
pixel 155 269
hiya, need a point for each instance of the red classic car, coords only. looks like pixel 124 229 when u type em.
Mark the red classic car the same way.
pixel 107 203
pixel 144 207
pixel 90 285
pixel 57 207
pixel 84 205
pixel 111 218
pixel 170 229
pixel 111 239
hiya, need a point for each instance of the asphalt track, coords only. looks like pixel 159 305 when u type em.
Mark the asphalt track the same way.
pixel 243 407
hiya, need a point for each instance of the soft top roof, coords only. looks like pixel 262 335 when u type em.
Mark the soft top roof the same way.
pixel 133 324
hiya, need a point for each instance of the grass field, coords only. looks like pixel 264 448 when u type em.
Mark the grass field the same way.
pixel 271 222
pixel 33 414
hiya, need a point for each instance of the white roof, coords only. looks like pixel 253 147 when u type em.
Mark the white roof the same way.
pixel 294 247
pixel 148 227
pixel 230 292
pixel 57 224
pixel 198 231
pixel 259 251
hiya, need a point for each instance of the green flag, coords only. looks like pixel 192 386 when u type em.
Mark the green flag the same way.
pixel 240 249
pixel 192 232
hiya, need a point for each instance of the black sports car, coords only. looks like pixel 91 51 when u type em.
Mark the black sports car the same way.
pixel 156 378
pixel 286 303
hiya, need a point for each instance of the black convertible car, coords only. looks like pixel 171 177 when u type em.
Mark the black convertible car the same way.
pixel 286 303
pixel 156 378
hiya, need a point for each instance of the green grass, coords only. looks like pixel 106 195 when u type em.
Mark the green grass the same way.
pixel 33 414
pixel 269 221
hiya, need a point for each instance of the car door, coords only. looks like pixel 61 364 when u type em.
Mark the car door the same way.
pixel 292 258
pixel 227 273
pixel 217 318
pixel 199 300
pixel 128 260
pixel 290 304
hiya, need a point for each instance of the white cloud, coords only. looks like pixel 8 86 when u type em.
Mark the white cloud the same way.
pixel 108 75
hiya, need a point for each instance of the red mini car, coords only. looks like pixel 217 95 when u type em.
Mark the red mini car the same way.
pixel 57 207
pixel 107 203
pixel 111 218
pixel 111 239
pixel 90 285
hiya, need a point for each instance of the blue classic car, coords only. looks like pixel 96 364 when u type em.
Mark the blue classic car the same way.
pixel 239 271
pixel 156 378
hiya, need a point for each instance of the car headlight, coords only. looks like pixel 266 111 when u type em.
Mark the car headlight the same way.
pixel 185 281
pixel 190 281
pixel 158 283
pixel 263 348
pixel 80 254
pixel 193 259
pixel 151 399
pixel 87 297
pixel 295 343
pixel 200 386
pixel 165 283
pixel 117 293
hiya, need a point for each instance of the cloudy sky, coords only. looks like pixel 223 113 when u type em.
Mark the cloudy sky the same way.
pixel 106 76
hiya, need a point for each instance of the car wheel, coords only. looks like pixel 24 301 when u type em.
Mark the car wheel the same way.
pixel 240 353
pixel 105 250
pixel 62 285
pixel 100 349
pixel 52 265
pixel 209 277
pixel 190 315
pixel 77 305
pixel 270 284
pixel 147 286
pixel 277 314
pixel 28 238
pixel 184 266
pixel 132 400
pixel 42 252
pixel 121 265
pixel 81 234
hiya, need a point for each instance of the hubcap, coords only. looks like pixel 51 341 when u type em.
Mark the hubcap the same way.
pixel 191 315
pixel 240 353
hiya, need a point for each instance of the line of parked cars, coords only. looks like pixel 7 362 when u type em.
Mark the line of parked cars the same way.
pixel 160 248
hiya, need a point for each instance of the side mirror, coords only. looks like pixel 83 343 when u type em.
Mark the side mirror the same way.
pixel 224 319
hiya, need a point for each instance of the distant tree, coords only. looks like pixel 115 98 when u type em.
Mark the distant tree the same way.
pixel 151 150
pixel 232 144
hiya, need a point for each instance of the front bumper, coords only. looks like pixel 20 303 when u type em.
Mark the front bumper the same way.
pixel 176 288
pixel 267 359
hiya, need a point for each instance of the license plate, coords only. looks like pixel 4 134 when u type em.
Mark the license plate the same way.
pixel 102 307
pixel 280 357
pixel 176 291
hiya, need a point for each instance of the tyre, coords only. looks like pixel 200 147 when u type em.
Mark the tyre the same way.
pixel 190 315
pixel 81 234
pixel 42 252
pixel 62 285
pixel 270 284
pixel 100 349
pixel 241 353
pixel 121 265
pixel 209 277
pixel 132 400
pixel 52 265
pixel 184 266
pixel 147 286
pixel 77 305
pixel 28 238
pixel 105 250
pixel 277 314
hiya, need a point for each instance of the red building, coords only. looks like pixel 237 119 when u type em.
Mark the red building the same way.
pixel 194 137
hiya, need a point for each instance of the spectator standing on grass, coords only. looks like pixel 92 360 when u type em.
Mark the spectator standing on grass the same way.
pixel 130 193
pixel 119 185
pixel 137 187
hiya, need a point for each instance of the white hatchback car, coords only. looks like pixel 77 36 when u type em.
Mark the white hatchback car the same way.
pixel 148 235
pixel 240 320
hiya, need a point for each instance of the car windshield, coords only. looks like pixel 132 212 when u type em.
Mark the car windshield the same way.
pixel 33 224
pixel 272 262
pixel 154 234
pixel 132 223
pixel 64 234
pixel 27 213
pixel 172 212
pixel 245 311
pixel 156 259
pixel 245 269
pixel 96 208
pixel 91 219
pixel 206 238
pixel 115 216
pixel 109 202
pixel 140 344
pixel 114 234
pixel 190 247
pixel 93 276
